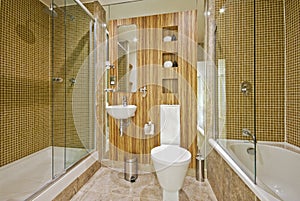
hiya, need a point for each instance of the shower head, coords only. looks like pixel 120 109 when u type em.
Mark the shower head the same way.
pixel 50 11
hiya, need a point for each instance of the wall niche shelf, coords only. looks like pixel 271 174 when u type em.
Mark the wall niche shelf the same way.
pixel 173 57
pixel 170 46
pixel 170 31
pixel 170 85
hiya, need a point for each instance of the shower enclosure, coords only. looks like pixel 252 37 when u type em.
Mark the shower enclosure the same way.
pixel 257 99
pixel 235 61
pixel 47 91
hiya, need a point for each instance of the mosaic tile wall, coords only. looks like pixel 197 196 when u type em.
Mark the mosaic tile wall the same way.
pixel 25 87
pixel 235 44
pixel 292 71
pixel 24 79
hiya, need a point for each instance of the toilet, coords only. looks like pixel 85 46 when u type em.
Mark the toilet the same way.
pixel 169 159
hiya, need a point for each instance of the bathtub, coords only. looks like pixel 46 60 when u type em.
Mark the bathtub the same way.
pixel 22 178
pixel 278 167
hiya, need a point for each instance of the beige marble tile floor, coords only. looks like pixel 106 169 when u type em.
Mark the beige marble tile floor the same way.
pixel 109 185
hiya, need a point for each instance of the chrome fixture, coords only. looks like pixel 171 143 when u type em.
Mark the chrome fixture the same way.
pixel 124 101
pixel 109 90
pixel 109 66
pixel 57 79
pixel 73 81
pixel 51 11
pixel 246 87
pixel 247 133
pixel 124 123
pixel 250 151
pixel 144 91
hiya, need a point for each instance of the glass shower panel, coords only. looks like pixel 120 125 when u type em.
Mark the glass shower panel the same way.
pixel 73 88
pixel 59 82
pixel 80 87
pixel 235 78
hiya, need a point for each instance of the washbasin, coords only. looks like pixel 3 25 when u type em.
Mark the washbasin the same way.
pixel 120 111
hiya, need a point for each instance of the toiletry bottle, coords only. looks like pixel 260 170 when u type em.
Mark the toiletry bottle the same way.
pixel 173 38
pixel 175 64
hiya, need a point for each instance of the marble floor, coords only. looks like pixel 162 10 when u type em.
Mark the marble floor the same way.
pixel 109 185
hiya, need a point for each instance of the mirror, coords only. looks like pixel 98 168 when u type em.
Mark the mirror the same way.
pixel 127 62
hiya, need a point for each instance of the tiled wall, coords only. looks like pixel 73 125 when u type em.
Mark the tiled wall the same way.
pixel 292 71
pixel 225 183
pixel 25 84
pixel 76 185
pixel 24 79
pixel 235 44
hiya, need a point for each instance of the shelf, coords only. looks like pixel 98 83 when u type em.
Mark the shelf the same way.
pixel 170 85
pixel 167 56
pixel 170 46
pixel 171 31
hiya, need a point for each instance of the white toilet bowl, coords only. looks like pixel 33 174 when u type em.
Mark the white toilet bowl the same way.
pixel 171 163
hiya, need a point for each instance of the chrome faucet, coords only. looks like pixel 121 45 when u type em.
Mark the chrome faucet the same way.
pixel 124 101
pixel 247 133
pixel 109 90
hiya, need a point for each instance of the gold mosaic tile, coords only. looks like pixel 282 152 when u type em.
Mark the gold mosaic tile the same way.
pixel 26 100
pixel 24 83
pixel 235 44
pixel 292 72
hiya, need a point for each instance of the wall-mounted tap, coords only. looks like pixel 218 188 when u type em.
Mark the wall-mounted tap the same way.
pixel 245 87
pixel 72 81
pixel 109 90
pixel 247 133
pixel 109 65
pixel 144 91
pixel 124 101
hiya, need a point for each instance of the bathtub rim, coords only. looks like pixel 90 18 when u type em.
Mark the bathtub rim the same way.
pixel 258 191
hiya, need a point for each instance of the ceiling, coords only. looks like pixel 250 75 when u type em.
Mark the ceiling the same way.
pixel 118 9
pixel 102 2
pixel 115 2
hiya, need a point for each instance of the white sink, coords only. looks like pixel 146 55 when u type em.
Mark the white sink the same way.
pixel 120 111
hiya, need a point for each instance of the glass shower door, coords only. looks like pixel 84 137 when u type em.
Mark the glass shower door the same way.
pixel 73 89
pixel 58 95
pixel 235 50
pixel 80 84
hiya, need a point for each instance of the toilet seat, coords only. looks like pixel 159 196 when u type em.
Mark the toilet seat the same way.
pixel 171 155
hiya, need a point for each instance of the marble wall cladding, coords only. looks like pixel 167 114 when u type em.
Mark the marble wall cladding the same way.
pixel 75 186
pixel 210 100
pixel 225 183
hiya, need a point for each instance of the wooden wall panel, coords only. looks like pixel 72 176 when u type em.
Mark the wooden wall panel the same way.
pixel 150 74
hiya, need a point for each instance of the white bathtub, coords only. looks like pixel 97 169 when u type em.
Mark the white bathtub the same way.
pixel 22 178
pixel 278 168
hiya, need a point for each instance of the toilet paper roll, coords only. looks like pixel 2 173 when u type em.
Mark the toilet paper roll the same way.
pixel 149 129
pixel 167 38
pixel 168 64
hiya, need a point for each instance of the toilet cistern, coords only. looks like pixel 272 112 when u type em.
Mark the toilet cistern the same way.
pixel 169 159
